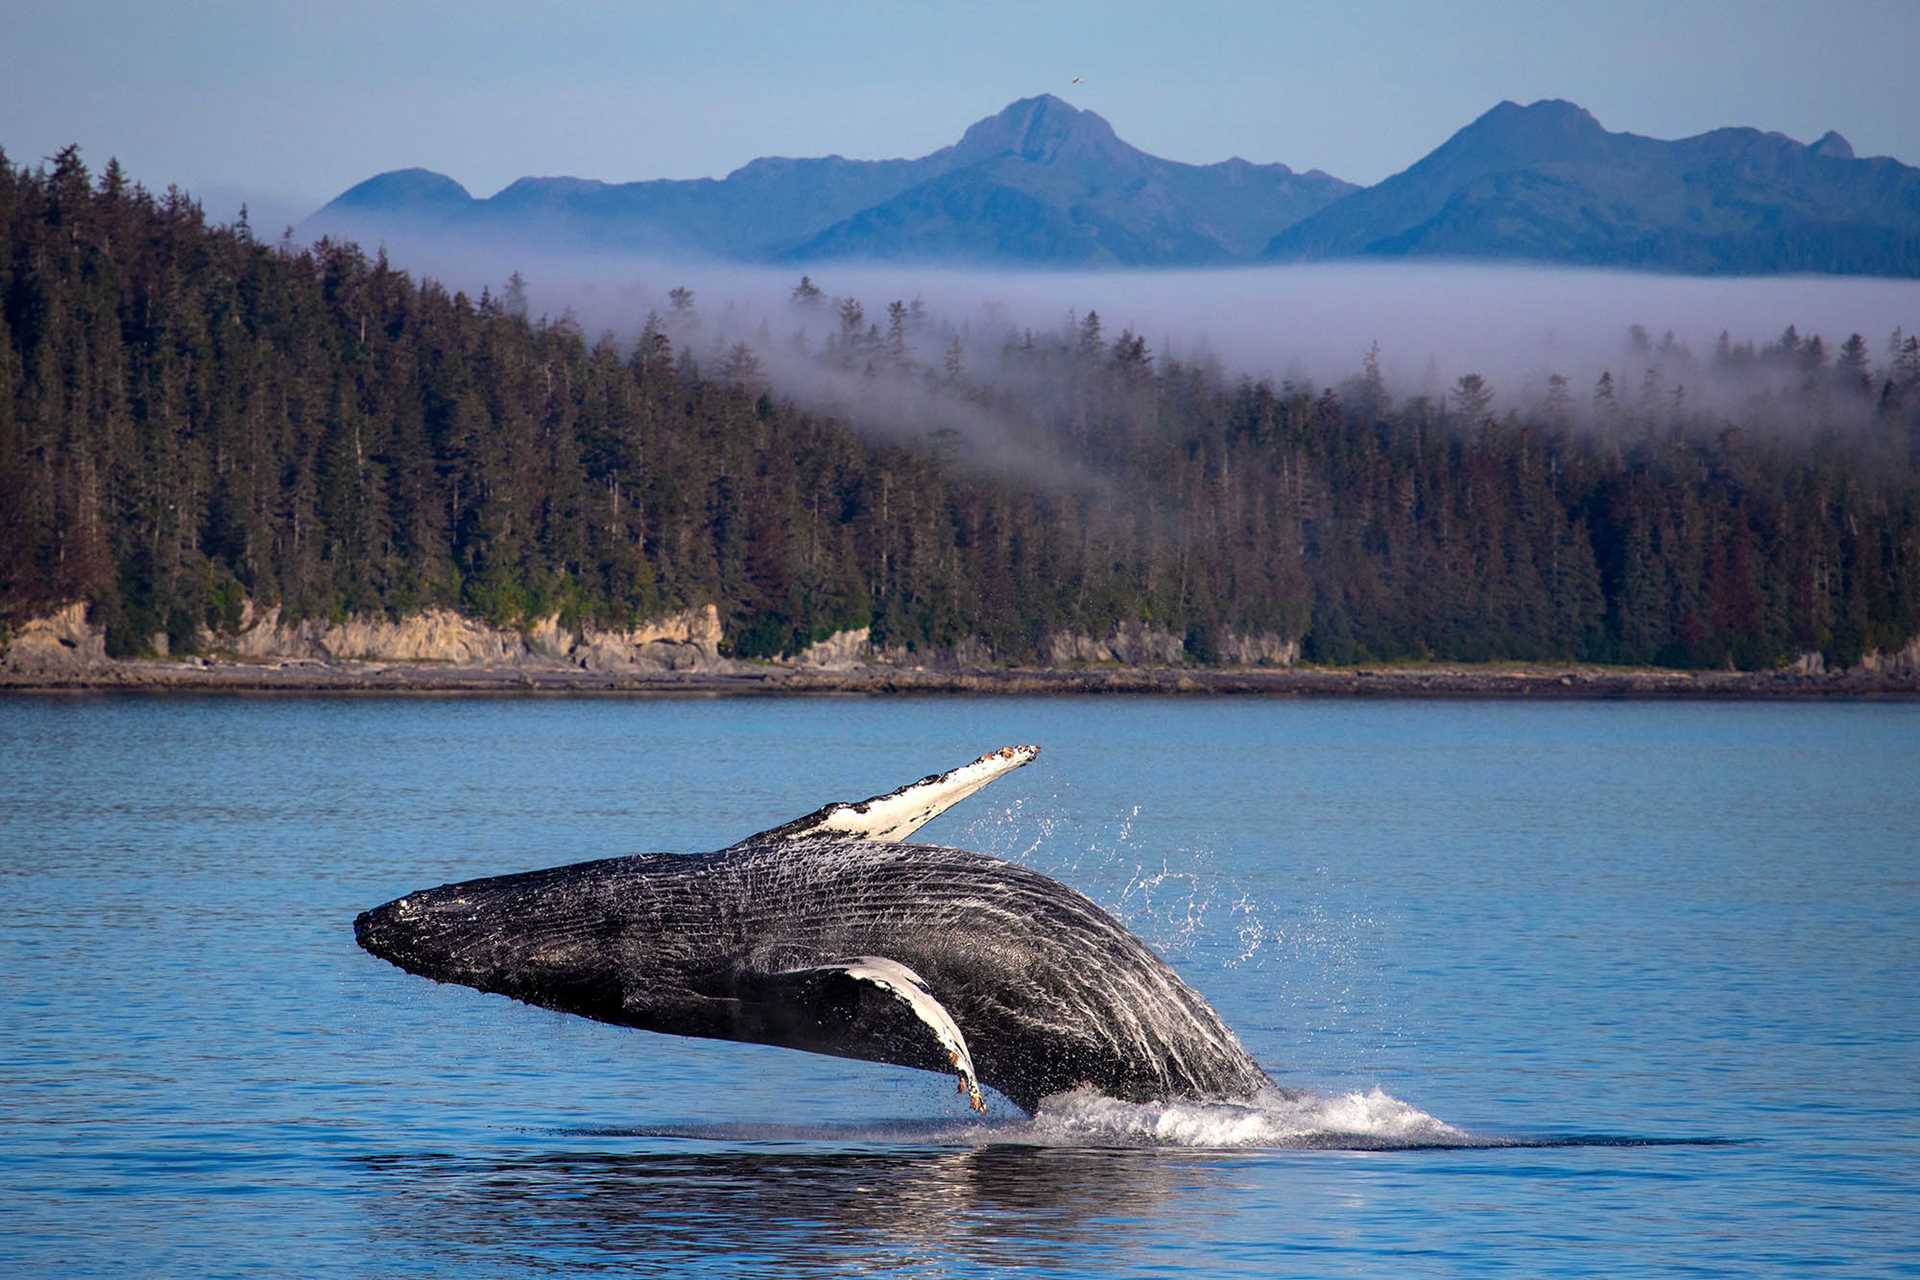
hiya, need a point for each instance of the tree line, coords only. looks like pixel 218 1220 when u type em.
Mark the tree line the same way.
pixel 191 418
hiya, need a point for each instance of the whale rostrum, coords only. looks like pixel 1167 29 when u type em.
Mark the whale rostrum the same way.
pixel 832 934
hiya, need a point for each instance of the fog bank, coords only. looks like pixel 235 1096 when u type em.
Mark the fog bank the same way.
pixel 1304 321
pixel 1309 324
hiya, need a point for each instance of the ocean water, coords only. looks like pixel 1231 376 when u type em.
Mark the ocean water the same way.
pixel 1573 989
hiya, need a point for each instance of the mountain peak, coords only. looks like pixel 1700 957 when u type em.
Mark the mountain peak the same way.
pixel 1555 115
pixel 1041 129
pixel 1832 144
pixel 405 188
pixel 1510 136
pixel 1548 182
pixel 522 192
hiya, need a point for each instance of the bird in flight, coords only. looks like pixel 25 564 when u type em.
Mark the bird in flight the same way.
pixel 1076 79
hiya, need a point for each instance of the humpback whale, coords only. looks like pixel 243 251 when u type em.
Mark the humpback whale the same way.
pixel 833 934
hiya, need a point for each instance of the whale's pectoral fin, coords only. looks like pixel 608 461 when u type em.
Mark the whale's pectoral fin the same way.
pixel 866 1007
pixel 898 814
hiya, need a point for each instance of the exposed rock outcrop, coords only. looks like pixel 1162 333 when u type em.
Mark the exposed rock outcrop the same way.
pixel 262 635
pixel 1257 649
pixel 1903 661
pixel 440 649
pixel 685 641
pixel 839 651
pixel 970 654
pixel 63 641
pixel 438 635
pixel 1133 644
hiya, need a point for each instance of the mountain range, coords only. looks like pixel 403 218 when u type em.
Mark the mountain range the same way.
pixel 1044 184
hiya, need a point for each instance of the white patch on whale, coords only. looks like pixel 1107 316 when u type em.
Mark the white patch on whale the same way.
pixel 891 818
pixel 910 988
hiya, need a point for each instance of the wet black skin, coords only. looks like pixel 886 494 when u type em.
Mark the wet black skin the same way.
pixel 1050 991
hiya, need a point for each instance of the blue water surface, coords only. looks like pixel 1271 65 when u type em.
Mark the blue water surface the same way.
pixel 1580 988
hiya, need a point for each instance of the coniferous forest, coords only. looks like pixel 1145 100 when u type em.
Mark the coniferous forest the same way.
pixel 191 418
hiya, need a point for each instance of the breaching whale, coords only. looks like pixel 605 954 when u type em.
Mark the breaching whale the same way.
pixel 832 934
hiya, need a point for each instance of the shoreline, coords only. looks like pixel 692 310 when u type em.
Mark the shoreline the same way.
pixel 1441 680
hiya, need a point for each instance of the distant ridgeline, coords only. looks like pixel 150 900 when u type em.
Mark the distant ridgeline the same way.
pixel 1044 184
pixel 190 419
pixel 1040 182
pixel 1546 183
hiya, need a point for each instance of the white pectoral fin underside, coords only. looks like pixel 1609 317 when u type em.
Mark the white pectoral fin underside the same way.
pixel 915 1027
pixel 898 814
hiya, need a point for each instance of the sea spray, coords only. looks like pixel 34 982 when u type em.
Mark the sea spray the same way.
pixel 1271 1118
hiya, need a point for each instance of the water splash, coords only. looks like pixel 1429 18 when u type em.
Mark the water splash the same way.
pixel 1181 904
pixel 1167 907
pixel 1272 1118
pixel 1314 943
pixel 1249 928
pixel 1275 1118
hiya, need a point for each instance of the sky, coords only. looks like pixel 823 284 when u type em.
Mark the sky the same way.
pixel 287 104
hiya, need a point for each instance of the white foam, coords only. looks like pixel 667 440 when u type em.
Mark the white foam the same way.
pixel 1272 1118
pixel 1372 1120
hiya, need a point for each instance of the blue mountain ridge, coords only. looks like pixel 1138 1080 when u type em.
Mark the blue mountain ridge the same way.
pixel 1041 182
pixel 1547 183
pixel 1045 184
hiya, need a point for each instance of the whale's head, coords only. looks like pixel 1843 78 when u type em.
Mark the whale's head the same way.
pixel 432 932
pixel 578 940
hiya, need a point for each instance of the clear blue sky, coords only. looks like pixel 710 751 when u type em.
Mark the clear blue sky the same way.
pixel 293 102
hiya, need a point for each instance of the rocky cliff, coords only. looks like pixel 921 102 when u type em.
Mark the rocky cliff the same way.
pixel 838 652
pixel 63 641
pixel 442 649
pixel 1902 661
pixel 687 641
pixel 1141 644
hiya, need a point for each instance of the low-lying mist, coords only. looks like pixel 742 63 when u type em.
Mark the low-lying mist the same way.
pixel 1513 325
